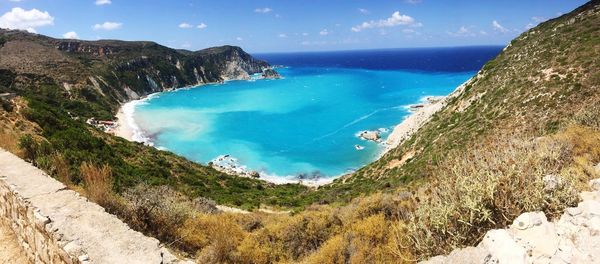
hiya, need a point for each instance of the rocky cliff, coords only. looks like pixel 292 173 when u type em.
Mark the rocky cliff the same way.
pixel 116 71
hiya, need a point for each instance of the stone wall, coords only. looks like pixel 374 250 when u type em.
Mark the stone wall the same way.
pixel 56 225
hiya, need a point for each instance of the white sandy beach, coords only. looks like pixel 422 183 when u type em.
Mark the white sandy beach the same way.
pixel 123 128
pixel 418 118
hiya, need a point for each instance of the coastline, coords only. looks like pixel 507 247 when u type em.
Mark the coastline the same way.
pixel 421 113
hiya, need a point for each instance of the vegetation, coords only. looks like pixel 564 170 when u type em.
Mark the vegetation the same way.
pixel 523 136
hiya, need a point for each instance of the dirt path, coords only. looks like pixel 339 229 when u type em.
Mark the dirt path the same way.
pixel 10 251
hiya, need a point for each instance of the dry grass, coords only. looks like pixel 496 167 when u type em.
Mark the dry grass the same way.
pixel 495 182
pixel 10 142
pixel 60 169
pixel 215 238
pixel 98 183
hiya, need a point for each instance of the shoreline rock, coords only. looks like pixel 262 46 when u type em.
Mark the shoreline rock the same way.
pixel 371 135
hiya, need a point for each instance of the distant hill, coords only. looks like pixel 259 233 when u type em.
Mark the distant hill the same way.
pixel 115 71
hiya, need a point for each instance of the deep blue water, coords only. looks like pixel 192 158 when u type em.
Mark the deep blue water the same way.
pixel 306 123
pixel 458 59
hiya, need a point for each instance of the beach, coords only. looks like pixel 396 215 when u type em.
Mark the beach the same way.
pixel 418 118
pixel 123 129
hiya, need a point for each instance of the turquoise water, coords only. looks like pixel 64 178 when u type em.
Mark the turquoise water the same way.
pixel 305 123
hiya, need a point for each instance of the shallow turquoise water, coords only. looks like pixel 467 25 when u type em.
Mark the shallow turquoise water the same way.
pixel 304 123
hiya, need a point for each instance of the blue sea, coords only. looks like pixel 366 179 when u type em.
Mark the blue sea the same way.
pixel 306 123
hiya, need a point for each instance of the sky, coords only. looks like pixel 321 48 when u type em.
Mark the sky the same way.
pixel 286 25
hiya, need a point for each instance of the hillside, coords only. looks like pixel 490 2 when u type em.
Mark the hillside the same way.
pixel 109 72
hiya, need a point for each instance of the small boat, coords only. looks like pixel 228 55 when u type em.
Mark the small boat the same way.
pixel 359 147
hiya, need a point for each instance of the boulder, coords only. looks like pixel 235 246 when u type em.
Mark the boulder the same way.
pixel 502 248
pixel 595 184
pixel 552 182
pixel 469 255
pixel 536 235
pixel 370 135
pixel 254 174
pixel 590 208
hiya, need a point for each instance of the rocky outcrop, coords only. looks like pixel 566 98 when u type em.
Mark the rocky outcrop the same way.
pixel 56 225
pixel 574 238
pixel 370 135
pixel 270 73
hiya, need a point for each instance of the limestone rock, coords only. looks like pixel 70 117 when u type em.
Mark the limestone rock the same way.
pixel 595 184
pixel 551 182
pixel 469 255
pixel 370 135
pixel 534 233
pixel 502 248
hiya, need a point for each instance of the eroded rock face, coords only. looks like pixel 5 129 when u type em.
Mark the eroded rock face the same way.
pixel 574 238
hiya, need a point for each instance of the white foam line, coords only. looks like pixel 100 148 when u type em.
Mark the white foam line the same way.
pixel 128 109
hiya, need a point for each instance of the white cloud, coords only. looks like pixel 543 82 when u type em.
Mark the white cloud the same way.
pixel 413 1
pixel 16 1
pixel 263 10
pixel 70 35
pixel 483 32
pixel 282 35
pixel 108 26
pixel 395 20
pixel 18 18
pixel 408 30
pixel 188 25
pixel 538 19
pixel 186 45
pixel 305 34
pixel 529 26
pixel 535 21
pixel 324 32
pixel 103 2
pixel 239 39
pixel 363 11
pixel 462 32
pixel 499 27
pixel 185 25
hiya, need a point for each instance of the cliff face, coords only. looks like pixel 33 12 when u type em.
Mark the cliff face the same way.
pixel 117 71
